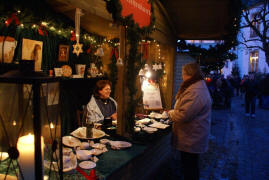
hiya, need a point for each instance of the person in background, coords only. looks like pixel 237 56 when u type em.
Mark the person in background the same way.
pixel 191 119
pixel 102 107
pixel 251 92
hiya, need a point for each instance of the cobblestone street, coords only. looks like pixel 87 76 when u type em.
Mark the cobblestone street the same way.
pixel 239 148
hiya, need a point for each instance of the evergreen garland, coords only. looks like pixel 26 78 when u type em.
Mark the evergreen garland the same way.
pixel 58 31
pixel 133 61
pixel 113 66
pixel 214 58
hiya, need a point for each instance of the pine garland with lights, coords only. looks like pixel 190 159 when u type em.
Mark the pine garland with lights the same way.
pixel 133 61
pixel 214 58
pixel 113 65
pixel 38 22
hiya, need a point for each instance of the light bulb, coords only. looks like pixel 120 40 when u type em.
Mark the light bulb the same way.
pixel 148 74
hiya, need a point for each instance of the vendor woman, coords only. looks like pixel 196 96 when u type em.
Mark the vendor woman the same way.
pixel 101 106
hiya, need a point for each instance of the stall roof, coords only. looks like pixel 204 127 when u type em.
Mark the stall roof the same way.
pixel 198 19
pixel 190 19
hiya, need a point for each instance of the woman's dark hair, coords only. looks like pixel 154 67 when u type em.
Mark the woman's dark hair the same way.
pixel 193 70
pixel 100 85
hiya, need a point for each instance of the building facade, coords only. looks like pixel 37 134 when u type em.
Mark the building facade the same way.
pixel 251 59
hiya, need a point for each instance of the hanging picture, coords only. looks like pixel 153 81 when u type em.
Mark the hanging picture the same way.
pixel 32 50
pixel 7 47
pixel 151 95
pixel 63 53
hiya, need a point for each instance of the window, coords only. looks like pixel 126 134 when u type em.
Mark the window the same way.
pixel 255 23
pixel 253 61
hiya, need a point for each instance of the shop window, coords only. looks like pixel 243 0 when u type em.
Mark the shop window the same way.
pixel 254 61
pixel 255 23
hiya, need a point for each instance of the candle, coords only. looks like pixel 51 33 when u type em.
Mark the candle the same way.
pixel 26 148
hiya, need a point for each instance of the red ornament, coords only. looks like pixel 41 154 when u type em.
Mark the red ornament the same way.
pixel 42 30
pixel 13 17
pixel 73 36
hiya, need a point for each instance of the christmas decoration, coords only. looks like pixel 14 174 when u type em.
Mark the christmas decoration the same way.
pixel 13 17
pixel 114 55
pixel 155 67
pixel 77 48
pixel 99 52
pixel 42 30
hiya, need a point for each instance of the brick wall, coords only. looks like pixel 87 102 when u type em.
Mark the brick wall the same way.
pixel 180 60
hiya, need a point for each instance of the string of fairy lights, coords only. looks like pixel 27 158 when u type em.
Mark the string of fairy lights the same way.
pixel 93 39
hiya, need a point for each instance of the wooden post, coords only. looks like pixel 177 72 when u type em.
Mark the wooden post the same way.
pixel 120 87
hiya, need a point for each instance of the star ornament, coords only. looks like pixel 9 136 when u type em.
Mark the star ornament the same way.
pixel 77 48
pixel 155 67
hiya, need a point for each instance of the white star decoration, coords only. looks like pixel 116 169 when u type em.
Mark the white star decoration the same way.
pixel 77 48
pixel 155 67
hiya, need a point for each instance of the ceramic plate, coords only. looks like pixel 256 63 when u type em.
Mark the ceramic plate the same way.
pixel 96 152
pixel 71 141
pixel 68 165
pixel 104 141
pixel 159 125
pixel 120 144
pixel 150 129
pixel 81 133
pixel 83 154
pixel 87 164
pixel 3 156
pixel 67 70
pixel 98 146
pixel 66 152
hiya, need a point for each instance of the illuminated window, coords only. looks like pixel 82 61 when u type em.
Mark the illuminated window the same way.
pixel 255 23
pixel 253 61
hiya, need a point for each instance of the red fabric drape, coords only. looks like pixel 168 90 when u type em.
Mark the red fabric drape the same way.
pixel 114 51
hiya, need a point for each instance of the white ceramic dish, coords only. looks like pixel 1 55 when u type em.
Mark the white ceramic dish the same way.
pixel 120 144
pixel 104 141
pixel 83 154
pixel 87 164
pixel 143 121
pixel 150 129
pixel 71 141
pixel 69 164
pixel 159 125
pixel 98 146
pixel 96 152
pixel 81 133
pixel 84 145
pixel 66 152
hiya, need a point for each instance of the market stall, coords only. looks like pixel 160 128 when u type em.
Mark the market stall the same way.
pixel 45 47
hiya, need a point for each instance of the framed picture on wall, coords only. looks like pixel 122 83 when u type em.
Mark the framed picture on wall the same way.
pixel 63 53
pixel 7 48
pixel 32 50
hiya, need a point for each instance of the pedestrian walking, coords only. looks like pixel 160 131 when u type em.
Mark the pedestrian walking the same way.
pixel 251 92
